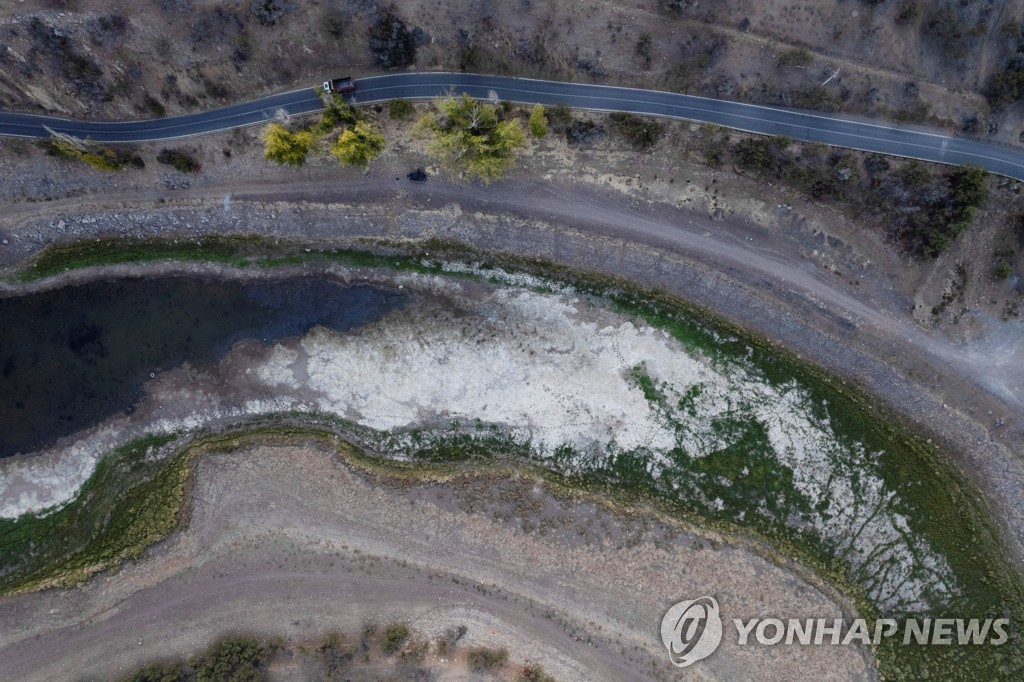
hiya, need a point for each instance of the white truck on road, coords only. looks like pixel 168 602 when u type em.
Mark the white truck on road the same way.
pixel 340 86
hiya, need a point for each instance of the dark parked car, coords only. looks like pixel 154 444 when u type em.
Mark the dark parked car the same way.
pixel 418 175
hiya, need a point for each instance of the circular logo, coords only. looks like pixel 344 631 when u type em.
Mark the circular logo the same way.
pixel 691 630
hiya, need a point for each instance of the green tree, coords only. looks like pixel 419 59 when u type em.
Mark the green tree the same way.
pixel 281 146
pixel 538 121
pixel 358 145
pixel 468 135
pixel 337 111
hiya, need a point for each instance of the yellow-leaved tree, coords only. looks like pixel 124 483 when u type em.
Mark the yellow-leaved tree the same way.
pixel 468 135
pixel 538 121
pixel 281 146
pixel 358 145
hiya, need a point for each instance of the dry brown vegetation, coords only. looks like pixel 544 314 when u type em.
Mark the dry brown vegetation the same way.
pixel 940 61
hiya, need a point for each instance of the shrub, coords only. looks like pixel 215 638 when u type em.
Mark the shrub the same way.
pixel 1003 270
pixel 915 174
pixel 337 111
pixel 754 154
pixel 908 10
pixel 641 133
pixel 400 109
pixel 358 145
pixel 335 655
pixel 1006 86
pixel 643 49
pixel 943 215
pixel 155 107
pixel 267 12
pixel 946 30
pixel 281 146
pixel 102 158
pixel 534 673
pixel 178 159
pixel 583 132
pixel 817 97
pixel 483 659
pixel 538 121
pixel 560 117
pixel 391 41
pixel 394 637
pixel 796 57
pixel 160 672
pixel 446 642
pixel 234 659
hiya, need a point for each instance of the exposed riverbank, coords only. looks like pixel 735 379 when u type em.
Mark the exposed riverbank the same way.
pixel 294 537
pixel 271 368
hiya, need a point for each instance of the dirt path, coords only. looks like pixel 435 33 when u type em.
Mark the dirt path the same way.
pixel 290 541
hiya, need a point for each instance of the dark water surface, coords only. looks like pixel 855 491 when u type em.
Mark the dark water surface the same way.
pixel 74 356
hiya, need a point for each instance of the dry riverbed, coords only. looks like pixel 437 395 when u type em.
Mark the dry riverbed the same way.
pixel 293 541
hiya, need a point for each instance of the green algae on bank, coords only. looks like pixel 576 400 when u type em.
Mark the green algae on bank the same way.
pixel 941 506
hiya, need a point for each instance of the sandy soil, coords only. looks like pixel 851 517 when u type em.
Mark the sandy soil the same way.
pixel 291 541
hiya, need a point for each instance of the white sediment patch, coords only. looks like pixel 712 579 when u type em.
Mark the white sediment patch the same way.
pixel 551 371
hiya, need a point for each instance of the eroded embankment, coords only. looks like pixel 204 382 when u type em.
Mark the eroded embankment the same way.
pixel 635 394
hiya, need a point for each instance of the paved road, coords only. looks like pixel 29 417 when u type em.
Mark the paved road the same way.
pixel 799 125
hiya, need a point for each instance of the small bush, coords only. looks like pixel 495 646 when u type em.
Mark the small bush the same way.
pixel 234 659
pixel 155 107
pixel 101 158
pixel 534 673
pixel 643 49
pixel 160 672
pixel 267 12
pixel 1003 270
pixel 483 659
pixel 538 121
pixel 400 109
pixel 796 57
pixel 583 132
pixel 336 656
pixel 394 637
pixel 1006 86
pixel 908 11
pixel 641 133
pixel 179 160
pixel 754 154
pixel 391 41
pixel 560 117
pixel 446 642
